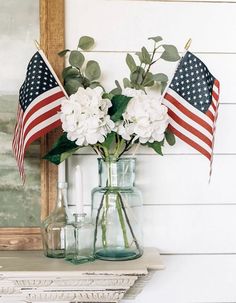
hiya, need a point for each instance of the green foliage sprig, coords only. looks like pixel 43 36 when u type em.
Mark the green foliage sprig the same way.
pixel 140 73
pixel 78 74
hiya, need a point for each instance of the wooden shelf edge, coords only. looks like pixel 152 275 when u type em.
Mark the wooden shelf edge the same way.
pixel 31 277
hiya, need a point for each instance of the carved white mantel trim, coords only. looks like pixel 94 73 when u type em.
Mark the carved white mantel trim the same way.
pixel 30 277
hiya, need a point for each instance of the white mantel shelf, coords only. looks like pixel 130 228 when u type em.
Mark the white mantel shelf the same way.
pixel 27 276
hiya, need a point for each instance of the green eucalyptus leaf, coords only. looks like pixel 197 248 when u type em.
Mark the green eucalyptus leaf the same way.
pixel 94 84
pixel 65 71
pixel 157 146
pixel 92 70
pixel 146 56
pixel 63 53
pixel 148 81
pixel 70 72
pixel 119 104
pixel 137 76
pixel 140 56
pixel 71 86
pixel 85 82
pixel 170 137
pixel 131 63
pixel 67 154
pixel 137 86
pixel 86 42
pixel 118 84
pixel 126 82
pixel 61 150
pixel 110 139
pixel 156 39
pixel 76 59
pixel 116 91
pixel 163 86
pixel 170 53
pixel 107 96
pixel 160 77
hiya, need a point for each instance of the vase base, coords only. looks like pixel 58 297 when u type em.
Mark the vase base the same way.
pixel 81 260
pixel 117 254
pixel 57 254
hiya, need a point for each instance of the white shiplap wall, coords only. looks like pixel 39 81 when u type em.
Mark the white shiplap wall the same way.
pixel 192 223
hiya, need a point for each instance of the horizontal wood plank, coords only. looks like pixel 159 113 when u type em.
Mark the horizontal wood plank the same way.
pixel 125 25
pixel 191 229
pixel 20 238
pixel 203 278
pixel 171 179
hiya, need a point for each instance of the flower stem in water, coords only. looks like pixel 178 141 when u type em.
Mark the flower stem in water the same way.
pixel 104 221
pixel 122 221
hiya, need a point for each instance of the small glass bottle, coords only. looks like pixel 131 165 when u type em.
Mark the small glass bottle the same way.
pixel 79 241
pixel 53 227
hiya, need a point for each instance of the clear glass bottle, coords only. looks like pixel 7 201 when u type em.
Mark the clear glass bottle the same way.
pixel 53 227
pixel 117 211
pixel 79 240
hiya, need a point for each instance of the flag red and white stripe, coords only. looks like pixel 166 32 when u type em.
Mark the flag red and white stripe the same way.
pixel 192 126
pixel 40 115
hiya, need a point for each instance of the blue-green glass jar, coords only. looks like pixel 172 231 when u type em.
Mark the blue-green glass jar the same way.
pixel 117 211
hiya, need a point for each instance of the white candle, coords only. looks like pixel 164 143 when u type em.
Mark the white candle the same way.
pixel 62 172
pixel 79 190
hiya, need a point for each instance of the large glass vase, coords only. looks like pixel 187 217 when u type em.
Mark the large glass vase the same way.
pixel 117 211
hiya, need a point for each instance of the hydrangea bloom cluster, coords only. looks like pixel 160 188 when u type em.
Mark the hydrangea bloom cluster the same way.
pixel 85 116
pixel 145 118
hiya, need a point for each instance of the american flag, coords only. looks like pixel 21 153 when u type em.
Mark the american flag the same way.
pixel 192 99
pixel 40 99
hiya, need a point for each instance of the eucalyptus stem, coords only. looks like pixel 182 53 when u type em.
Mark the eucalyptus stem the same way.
pixel 129 224
pixel 138 73
pixel 105 210
pixel 150 64
pixel 104 222
pixel 96 221
pixel 122 221
pixel 120 145
pixel 104 149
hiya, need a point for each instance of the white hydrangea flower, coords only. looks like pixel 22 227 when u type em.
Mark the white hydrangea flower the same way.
pixel 145 118
pixel 85 116
pixel 131 92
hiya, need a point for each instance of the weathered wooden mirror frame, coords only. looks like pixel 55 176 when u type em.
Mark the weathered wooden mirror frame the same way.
pixel 51 41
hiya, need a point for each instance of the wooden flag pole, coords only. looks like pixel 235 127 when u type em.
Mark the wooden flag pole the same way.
pixel 37 44
pixel 188 44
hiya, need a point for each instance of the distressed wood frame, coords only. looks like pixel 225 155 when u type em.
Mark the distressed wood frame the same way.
pixel 51 41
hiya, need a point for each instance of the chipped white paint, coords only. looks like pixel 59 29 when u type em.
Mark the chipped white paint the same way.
pixel 31 277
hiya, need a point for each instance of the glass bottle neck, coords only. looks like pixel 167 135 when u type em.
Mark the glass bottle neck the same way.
pixel 79 218
pixel 119 173
pixel 60 200
pixel 61 196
